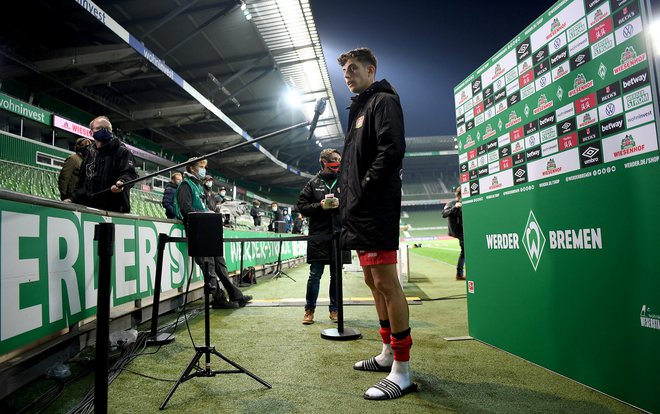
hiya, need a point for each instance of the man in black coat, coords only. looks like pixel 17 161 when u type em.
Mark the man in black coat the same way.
pixel 370 211
pixel 453 211
pixel 319 201
pixel 256 213
pixel 298 224
pixel 109 167
pixel 277 217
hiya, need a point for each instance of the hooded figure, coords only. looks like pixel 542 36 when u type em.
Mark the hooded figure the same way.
pixel 68 177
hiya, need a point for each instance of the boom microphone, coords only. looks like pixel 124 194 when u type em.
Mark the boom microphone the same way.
pixel 319 108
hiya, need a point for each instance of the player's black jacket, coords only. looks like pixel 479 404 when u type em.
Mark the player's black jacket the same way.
pixel 371 170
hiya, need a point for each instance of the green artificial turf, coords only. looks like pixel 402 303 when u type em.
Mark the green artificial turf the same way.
pixel 310 374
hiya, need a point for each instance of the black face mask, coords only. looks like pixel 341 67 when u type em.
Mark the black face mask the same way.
pixel 102 135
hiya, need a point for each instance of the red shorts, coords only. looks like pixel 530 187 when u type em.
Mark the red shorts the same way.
pixel 376 257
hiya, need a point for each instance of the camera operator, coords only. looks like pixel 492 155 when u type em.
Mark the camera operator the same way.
pixel 190 197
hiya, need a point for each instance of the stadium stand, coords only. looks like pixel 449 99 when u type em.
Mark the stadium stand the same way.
pixel 31 167
pixel 29 180
pixel 422 221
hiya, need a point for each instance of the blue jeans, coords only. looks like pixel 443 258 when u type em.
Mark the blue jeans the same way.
pixel 461 259
pixel 314 282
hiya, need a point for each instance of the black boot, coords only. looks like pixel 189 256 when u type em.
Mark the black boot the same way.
pixel 220 301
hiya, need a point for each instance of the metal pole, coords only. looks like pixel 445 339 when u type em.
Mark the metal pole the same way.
pixel 212 154
pixel 104 234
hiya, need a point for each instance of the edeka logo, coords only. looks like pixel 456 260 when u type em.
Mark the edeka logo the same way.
pixel 648 319
pixel 533 240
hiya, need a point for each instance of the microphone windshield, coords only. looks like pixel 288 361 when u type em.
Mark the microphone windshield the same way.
pixel 319 108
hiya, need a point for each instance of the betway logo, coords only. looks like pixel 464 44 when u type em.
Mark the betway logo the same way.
pixel 637 79
pixel 534 240
pixel 558 57
pixel 591 4
pixel 607 127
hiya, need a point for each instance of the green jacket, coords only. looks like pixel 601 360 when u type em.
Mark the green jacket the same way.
pixel 189 197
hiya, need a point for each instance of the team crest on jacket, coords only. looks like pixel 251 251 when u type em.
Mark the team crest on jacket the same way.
pixel 359 122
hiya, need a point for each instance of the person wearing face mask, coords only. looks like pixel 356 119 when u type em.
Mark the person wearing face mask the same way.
pixel 190 197
pixel 319 200
pixel 277 217
pixel 256 213
pixel 168 194
pixel 109 166
pixel 222 192
pixel 288 220
pixel 222 198
pixel 212 198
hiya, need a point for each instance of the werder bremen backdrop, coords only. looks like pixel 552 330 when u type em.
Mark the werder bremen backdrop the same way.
pixel 558 151
pixel 49 265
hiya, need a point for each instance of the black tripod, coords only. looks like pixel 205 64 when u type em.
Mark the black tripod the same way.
pixel 197 221
pixel 278 270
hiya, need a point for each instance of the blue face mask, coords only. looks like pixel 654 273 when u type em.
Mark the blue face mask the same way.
pixel 102 135
pixel 201 173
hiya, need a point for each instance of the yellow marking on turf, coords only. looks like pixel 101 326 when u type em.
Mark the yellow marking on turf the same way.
pixel 299 300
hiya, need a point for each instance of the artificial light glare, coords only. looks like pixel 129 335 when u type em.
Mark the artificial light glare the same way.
pixel 654 29
pixel 293 98
pixel 246 12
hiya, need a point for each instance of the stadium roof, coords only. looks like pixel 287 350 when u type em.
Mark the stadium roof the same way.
pixel 192 76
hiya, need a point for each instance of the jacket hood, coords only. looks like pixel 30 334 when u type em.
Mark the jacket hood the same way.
pixel 378 86
pixel 192 177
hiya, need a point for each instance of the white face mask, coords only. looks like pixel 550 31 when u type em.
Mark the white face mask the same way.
pixel 208 184
pixel 223 193
pixel 201 172
pixel 274 208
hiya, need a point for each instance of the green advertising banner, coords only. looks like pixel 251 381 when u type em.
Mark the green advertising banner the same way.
pixel 24 109
pixel 559 167
pixel 48 266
